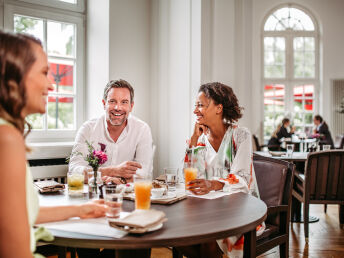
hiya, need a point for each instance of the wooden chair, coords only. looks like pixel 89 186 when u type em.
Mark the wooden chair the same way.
pixel 275 180
pixel 255 142
pixel 322 183
pixel 49 169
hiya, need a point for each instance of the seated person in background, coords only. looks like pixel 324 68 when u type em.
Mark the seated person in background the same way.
pixel 128 139
pixel 227 148
pixel 323 131
pixel 280 132
pixel 24 87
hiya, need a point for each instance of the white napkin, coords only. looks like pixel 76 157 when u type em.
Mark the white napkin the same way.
pixel 97 227
pixel 144 219
pixel 210 195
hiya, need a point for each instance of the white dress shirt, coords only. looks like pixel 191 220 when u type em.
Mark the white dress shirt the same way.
pixel 134 144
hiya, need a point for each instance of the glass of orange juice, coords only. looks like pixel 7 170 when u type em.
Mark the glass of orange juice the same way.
pixel 142 188
pixel 190 173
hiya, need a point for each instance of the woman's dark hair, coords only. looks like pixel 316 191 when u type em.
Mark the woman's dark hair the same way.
pixel 285 120
pixel 318 118
pixel 16 58
pixel 224 95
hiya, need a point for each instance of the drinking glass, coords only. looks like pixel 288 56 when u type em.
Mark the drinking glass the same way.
pixel 290 149
pixel 190 173
pixel 113 201
pixel 171 175
pixel 326 147
pixel 75 183
pixel 142 188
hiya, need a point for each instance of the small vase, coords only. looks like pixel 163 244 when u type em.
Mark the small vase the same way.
pixel 93 185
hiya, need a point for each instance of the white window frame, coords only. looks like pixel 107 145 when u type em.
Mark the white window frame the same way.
pixel 289 81
pixel 57 135
pixel 79 6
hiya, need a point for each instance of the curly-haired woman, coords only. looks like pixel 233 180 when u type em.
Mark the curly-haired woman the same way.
pixel 228 148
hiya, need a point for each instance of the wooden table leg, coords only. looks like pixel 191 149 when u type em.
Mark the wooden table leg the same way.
pixel 250 244
pixel 341 215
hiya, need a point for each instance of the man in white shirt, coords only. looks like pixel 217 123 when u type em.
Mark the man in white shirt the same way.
pixel 128 139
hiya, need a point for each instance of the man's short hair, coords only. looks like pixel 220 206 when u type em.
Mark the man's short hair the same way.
pixel 119 84
pixel 318 118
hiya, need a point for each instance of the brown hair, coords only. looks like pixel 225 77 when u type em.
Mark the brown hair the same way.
pixel 16 59
pixel 285 120
pixel 318 118
pixel 224 95
pixel 119 84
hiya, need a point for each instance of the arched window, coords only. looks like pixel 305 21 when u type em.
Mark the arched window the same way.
pixel 290 68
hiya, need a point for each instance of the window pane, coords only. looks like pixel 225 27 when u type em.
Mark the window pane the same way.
pixel 61 75
pixel 303 106
pixel 61 39
pixel 274 107
pixel 29 25
pixel 274 57
pixel 308 118
pixel 60 112
pixel 304 57
pixel 274 71
pixel 35 120
pixel 289 18
pixel 308 105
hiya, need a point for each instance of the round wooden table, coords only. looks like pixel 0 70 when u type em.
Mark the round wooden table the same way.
pixel 190 221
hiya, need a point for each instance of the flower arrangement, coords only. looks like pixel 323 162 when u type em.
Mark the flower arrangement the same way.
pixel 95 158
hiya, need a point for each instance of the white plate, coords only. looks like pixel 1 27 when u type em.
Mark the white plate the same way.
pixel 169 195
pixel 277 153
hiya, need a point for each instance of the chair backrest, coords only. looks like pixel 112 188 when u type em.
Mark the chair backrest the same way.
pixel 274 179
pixel 339 142
pixel 49 169
pixel 324 176
pixel 255 143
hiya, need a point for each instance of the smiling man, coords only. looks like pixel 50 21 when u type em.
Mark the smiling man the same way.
pixel 128 139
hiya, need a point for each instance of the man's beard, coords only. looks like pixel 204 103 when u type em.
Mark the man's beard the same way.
pixel 117 122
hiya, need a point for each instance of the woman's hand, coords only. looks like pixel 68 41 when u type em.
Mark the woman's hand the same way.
pixel 200 186
pixel 203 186
pixel 198 130
pixel 93 209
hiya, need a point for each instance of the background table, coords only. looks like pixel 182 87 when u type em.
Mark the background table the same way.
pixel 295 157
pixel 190 221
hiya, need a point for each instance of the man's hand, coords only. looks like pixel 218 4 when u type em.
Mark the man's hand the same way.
pixel 126 169
pixel 109 179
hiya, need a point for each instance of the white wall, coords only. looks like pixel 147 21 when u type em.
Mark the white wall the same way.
pixel 118 47
pixel 98 54
pixel 176 64
pixel 226 56
pixel 130 49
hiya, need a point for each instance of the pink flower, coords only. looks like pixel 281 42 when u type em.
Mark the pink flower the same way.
pixel 102 157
